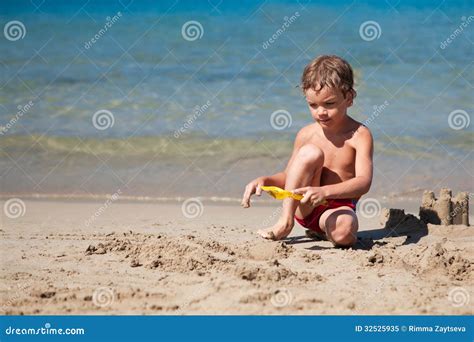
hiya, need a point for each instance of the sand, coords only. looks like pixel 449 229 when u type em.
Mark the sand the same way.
pixel 148 258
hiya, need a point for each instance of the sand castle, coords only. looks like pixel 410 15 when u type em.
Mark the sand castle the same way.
pixel 399 222
pixel 446 209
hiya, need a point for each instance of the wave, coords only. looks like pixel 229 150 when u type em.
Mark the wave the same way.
pixel 223 148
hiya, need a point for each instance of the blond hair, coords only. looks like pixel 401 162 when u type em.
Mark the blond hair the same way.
pixel 328 71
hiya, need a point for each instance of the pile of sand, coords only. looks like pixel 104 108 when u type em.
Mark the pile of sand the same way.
pixel 436 260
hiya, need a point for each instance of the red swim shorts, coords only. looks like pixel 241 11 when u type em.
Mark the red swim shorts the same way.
pixel 312 220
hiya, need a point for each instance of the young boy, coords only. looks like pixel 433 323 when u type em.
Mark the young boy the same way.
pixel 331 163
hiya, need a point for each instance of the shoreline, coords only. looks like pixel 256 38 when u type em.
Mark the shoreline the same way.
pixel 407 195
pixel 410 203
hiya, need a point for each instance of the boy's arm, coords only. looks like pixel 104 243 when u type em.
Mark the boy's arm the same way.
pixel 360 184
pixel 278 179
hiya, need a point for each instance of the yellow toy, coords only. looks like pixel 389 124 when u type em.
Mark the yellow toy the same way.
pixel 281 194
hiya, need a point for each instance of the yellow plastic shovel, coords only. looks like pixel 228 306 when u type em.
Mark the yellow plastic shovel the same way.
pixel 281 194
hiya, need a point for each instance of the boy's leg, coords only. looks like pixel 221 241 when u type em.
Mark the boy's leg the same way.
pixel 340 225
pixel 303 171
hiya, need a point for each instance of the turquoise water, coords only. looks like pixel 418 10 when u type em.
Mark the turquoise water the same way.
pixel 198 112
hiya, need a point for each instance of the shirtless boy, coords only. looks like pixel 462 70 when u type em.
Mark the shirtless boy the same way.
pixel 331 162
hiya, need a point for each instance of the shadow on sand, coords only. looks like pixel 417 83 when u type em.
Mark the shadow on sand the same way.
pixel 369 238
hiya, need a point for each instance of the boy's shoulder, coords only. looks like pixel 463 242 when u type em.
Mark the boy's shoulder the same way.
pixel 361 130
pixel 361 135
pixel 307 130
pixel 305 133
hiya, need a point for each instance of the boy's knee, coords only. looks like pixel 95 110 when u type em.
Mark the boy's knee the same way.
pixel 310 154
pixel 345 233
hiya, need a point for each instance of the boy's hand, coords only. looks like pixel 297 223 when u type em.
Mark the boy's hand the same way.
pixel 313 195
pixel 252 188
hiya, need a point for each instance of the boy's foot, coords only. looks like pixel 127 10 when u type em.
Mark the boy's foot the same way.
pixel 315 235
pixel 277 232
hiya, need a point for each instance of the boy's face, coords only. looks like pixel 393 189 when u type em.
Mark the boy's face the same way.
pixel 328 106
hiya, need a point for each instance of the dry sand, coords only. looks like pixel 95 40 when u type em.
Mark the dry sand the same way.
pixel 147 258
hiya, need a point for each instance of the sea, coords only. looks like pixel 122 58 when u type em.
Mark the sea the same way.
pixel 176 99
